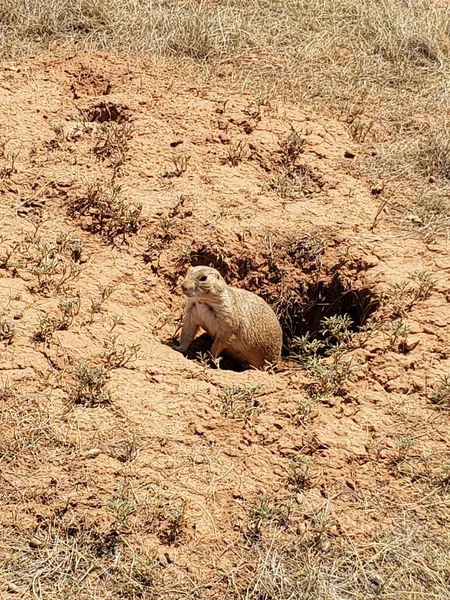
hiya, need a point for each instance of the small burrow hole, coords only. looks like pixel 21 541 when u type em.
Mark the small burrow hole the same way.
pixel 107 111
pixel 302 311
pixel 302 292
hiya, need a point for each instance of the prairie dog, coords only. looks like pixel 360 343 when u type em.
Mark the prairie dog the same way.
pixel 240 322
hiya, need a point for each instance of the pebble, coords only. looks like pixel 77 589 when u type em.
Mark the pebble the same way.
pixel 92 453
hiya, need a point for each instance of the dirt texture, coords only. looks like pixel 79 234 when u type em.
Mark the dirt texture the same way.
pixel 172 453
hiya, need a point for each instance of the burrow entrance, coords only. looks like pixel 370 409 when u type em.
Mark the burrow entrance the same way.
pixel 302 293
pixel 105 111
pixel 303 310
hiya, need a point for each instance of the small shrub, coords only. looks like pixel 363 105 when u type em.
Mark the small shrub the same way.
pixel 90 389
pixel 291 147
pixel 105 292
pixel 300 472
pixel 180 163
pixel 405 295
pixel 440 394
pixel 235 153
pixel 122 506
pixel 111 143
pixel 165 516
pixel 46 328
pixel 116 354
pixel 7 330
pixel 307 250
pixel 259 514
pixel 239 402
pixel 70 308
pixel 110 215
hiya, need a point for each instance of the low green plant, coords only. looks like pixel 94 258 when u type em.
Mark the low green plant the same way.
pixel 300 472
pixel 122 506
pixel 111 143
pixel 7 330
pixel 239 402
pixel 116 354
pixel 440 393
pixel 90 385
pixel 109 213
pixel 404 296
pixel 324 356
pixel 235 153
pixel 105 292
pixel 180 163
pixel 258 515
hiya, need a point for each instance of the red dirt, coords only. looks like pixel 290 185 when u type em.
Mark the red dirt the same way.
pixel 187 449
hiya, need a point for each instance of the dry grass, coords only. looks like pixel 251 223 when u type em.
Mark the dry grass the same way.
pixel 341 48
pixel 382 66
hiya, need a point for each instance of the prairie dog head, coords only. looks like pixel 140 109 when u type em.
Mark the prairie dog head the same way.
pixel 203 283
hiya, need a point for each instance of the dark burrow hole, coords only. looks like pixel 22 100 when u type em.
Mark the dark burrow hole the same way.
pixel 303 311
pixel 107 111
pixel 301 307
pixel 199 351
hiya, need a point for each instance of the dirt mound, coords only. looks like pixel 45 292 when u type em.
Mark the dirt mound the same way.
pixel 122 463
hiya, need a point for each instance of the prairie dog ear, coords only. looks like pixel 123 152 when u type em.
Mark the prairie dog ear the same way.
pixel 217 274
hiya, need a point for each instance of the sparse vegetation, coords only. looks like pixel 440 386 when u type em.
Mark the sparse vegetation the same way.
pixel 7 330
pixel 430 213
pixel 107 211
pixel 180 163
pixel 235 153
pixel 324 356
pixel 104 292
pixel 49 262
pixel 290 178
pixel 240 402
pixel 111 143
pixel 440 394
pixel 405 295
pixel 325 478
pixel 300 472
pixel 116 354
pixel 165 515
pixel 307 250
pixel 90 388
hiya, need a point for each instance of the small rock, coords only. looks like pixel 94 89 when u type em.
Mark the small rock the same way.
pixel 176 143
pixel 408 346
pixel 349 154
pixel 92 453
pixel 333 530
pixel 199 430
pixel 429 330
pixel 301 529
pixel 441 322
pixel 369 262
pixel 36 542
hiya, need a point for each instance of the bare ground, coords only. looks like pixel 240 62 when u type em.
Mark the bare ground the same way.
pixel 129 471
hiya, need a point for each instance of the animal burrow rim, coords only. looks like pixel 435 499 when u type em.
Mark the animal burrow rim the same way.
pixel 107 111
pixel 303 310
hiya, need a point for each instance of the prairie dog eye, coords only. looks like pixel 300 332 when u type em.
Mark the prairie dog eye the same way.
pixel 203 278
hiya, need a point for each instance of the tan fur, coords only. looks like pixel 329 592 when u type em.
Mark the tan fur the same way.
pixel 241 323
